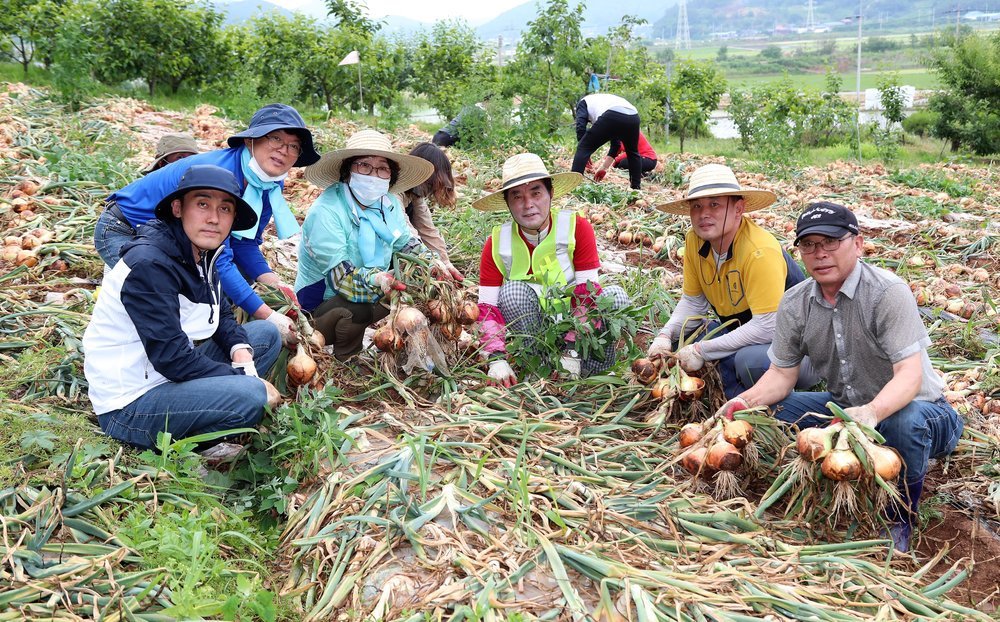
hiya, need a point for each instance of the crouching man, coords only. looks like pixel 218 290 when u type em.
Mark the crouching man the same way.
pixel 163 351
pixel 860 326
pixel 540 249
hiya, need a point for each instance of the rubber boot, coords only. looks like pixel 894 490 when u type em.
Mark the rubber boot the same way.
pixel 902 517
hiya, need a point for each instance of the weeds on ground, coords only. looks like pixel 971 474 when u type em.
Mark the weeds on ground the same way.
pixel 931 180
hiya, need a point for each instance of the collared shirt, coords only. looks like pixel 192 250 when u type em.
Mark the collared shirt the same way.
pixel 749 281
pixel 854 343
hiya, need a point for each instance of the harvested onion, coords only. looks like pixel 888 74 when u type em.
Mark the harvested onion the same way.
pixel 468 313
pixel 694 461
pixel 813 444
pixel 408 320
pixel 387 339
pixel 886 461
pixel 841 465
pixel 737 432
pixel 724 456
pixel 690 434
pixel 301 367
pixel 691 387
pixel 438 311
pixel 645 370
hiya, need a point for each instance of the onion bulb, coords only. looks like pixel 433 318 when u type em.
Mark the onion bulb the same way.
pixel 724 456
pixel 625 238
pixel 813 444
pixel 438 311
pixel 885 460
pixel 694 461
pixel 468 313
pixel 27 258
pixel 690 434
pixel 841 465
pixel 662 390
pixel 10 253
pixel 301 367
pixel 691 387
pixel 645 370
pixel 408 320
pixel 451 331
pixel 737 432
pixel 317 340
pixel 387 339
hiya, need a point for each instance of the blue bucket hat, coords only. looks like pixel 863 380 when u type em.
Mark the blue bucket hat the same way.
pixel 279 117
pixel 216 178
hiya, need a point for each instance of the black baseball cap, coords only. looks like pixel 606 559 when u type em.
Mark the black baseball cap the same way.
pixel 825 218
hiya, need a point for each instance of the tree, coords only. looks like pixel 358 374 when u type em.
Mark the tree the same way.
pixel 722 55
pixel 448 62
pixel 30 26
pixel 351 14
pixel 771 52
pixel 553 40
pixel 695 92
pixel 160 41
pixel 968 114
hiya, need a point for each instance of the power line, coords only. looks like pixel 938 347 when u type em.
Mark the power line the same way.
pixel 683 40
pixel 810 16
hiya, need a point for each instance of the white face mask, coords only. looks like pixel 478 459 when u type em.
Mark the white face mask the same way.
pixel 259 172
pixel 368 189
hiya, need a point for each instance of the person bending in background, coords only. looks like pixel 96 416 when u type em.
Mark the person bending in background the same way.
pixel 612 119
pixel 441 187
pixel 646 154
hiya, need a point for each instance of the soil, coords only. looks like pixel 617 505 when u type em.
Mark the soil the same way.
pixel 967 538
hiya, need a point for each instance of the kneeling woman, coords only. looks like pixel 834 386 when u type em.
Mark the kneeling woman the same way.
pixel 351 234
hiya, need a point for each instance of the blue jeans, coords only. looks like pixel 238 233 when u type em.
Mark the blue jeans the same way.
pixel 920 431
pixel 742 369
pixel 201 405
pixel 110 235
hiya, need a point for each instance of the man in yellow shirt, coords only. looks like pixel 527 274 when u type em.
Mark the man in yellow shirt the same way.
pixel 733 268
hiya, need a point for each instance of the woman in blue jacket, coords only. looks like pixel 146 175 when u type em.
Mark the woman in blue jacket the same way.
pixel 259 157
pixel 146 374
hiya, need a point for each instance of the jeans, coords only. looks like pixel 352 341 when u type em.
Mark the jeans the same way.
pixel 110 235
pixel 920 431
pixel 742 369
pixel 202 405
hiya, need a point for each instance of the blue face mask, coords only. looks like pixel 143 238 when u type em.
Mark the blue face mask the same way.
pixel 368 189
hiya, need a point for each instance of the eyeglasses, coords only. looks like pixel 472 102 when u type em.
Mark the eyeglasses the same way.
pixel 277 144
pixel 367 169
pixel 828 244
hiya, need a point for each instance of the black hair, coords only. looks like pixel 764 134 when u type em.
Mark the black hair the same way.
pixel 545 180
pixel 441 183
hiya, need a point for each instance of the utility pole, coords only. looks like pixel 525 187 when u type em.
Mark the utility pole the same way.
pixel 857 117
pixel 500 50
pixel 683 40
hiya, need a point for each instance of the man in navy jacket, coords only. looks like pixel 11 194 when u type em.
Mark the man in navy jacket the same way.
pixel 163 351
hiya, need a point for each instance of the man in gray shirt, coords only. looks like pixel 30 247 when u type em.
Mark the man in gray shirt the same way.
pixel 860 327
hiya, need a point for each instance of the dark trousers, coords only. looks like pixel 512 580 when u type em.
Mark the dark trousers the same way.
pixel 648 164
pixel 343 323
pixel 610 126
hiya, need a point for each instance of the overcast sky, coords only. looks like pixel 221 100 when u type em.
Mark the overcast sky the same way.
pixel 473 11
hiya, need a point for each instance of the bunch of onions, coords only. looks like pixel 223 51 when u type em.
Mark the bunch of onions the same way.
pixel 711 452
pixel 301 367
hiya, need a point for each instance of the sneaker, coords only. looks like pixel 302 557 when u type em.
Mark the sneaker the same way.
pixel 222 453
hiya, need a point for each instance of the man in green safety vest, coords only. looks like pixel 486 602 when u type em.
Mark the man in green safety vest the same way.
pixel 540 249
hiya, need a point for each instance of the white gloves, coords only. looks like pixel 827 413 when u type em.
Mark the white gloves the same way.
pixel 661 346
pixel 864 415
pixel 501 374
pixel 286 328
pixel 386 282
pixel 571 365
pixel 732 407
pixel 248 368
pixel 690 357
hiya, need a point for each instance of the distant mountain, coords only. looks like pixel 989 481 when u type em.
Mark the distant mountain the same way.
pixel 242 10
pixel 708 18
pixel 394 24
pixel 598 17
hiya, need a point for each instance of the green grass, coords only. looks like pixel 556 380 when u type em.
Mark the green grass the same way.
pixel 918 78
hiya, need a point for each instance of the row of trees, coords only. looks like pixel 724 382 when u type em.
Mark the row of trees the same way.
pixel 174 44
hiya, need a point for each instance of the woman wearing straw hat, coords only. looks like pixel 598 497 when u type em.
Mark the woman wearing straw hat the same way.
pixel 540 249
pixel 260 157
pixel 352 232
pixel 733 268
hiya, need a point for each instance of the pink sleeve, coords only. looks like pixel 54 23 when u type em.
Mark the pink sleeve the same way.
pixel 492 329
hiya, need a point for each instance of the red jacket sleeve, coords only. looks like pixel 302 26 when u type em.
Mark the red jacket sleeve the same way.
pixel 585 254
pixel 489 273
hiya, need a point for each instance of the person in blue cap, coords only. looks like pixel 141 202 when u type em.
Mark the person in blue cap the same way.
pixel 260 158
pixel 146 374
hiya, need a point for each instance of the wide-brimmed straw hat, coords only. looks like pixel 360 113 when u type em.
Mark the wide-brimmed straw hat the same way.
pixel 168 145
pixel 717 180
pixel 413 171
pixel 521 169
pixel 216 178
pixel 279 117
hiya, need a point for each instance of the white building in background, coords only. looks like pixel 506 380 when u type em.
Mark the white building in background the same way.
pixel 874 102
